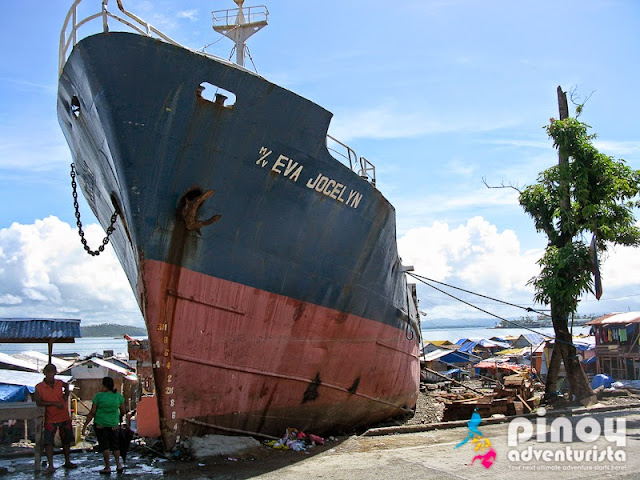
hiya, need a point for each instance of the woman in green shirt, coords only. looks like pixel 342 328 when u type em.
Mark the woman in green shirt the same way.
pixel 107 411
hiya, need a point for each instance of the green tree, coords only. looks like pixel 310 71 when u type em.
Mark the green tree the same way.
pixel 588 194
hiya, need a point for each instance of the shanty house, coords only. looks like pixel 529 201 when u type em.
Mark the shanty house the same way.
pixel 528 340
pixel 481 347
pixel 88 375
pixel 618 345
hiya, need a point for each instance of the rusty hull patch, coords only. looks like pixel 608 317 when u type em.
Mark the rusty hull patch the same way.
pixel 354 387
pixel 311 393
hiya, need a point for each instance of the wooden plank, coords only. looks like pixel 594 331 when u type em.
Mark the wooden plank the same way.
pixel 20 411
pixel 524 402
pixel 26 411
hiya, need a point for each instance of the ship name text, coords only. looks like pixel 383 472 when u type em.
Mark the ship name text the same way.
pixel 291 170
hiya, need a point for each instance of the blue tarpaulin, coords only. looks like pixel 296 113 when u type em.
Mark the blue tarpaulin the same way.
pixel 601 379
pixel 14 393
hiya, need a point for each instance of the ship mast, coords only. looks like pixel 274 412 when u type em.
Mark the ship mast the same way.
pixel 233 24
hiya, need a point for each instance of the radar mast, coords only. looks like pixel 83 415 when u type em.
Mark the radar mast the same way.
pixel 239 24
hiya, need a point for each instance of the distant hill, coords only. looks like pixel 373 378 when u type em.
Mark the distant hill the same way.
pixel 112 330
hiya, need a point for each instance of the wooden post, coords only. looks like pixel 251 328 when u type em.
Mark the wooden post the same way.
pixel 37 454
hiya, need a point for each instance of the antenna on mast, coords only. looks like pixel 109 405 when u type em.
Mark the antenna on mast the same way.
pixel 234 24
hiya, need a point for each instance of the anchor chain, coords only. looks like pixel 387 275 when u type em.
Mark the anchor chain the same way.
pixel 110 230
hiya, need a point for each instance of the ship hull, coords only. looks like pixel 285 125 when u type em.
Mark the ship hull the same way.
pixel 268 362
pixel 266 271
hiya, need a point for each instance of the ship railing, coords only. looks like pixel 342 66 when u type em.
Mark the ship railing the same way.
pixel 226 19
pixel 68 39
pixel 132 21
pixel 361 166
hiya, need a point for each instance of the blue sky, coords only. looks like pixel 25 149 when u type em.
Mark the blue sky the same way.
pixel 437 94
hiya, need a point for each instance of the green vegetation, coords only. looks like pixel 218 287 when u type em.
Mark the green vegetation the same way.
pixel 112 330
pixel 587 194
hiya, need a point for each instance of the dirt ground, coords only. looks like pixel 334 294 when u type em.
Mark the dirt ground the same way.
pixel 429 410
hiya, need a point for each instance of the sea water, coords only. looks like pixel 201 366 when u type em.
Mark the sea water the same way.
pixel 87 346
pixel 454 334
pixel 82 346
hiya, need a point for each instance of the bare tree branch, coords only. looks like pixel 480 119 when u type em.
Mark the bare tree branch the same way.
pixel 576 100
pixel 502 185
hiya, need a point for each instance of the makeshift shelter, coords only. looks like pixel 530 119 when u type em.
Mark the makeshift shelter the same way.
pixel 497 368
pixel 481 346
pixel 39 330
pixel 140 360
pixel 530 340
pixel 617 349
pixel 88 375
pixel 431 360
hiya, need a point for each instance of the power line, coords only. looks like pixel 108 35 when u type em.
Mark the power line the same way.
pixel 420 278
pixel 528 309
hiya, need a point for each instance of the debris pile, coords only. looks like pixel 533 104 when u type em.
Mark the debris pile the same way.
pixel 514 396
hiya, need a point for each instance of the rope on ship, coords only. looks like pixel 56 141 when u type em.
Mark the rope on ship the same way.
pixel 426 281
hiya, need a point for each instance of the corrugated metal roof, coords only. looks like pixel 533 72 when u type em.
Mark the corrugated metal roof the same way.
pixel 41 359
pixel 17 330
pixel 18 364
pixel 125 372
pixel 455 356
pixel 434 355
pixel 611 318
pixel 114 367
pixel 29 379
pixel 533 339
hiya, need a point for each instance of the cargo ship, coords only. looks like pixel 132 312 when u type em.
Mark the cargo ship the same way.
pixel 263 257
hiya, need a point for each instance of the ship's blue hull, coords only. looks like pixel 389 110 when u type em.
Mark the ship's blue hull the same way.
pixel 287 218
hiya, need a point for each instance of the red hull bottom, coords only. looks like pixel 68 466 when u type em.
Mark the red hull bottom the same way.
pixel 231 358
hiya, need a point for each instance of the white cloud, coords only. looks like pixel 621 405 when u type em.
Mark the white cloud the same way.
pixel 10 300
pixel 474 253
pixel 617 148
pixel 388 120
pixel 190 14
pixel 479 258
pixel 418 209
pixel 45 272
pixel 620 267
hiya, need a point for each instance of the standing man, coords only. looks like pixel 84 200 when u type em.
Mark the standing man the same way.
pixel 53 394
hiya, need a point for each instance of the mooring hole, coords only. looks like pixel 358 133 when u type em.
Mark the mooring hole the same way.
pixel 75 106
pixel 216 95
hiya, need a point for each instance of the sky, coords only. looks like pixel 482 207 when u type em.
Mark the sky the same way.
pixel 442 96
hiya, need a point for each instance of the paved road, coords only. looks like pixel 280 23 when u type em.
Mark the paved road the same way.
pixel 422 455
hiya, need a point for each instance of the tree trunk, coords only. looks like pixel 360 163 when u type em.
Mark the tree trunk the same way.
pixel 579 388
pixel 551 385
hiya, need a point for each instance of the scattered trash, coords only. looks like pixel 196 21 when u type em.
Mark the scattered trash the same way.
pixel 295 440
